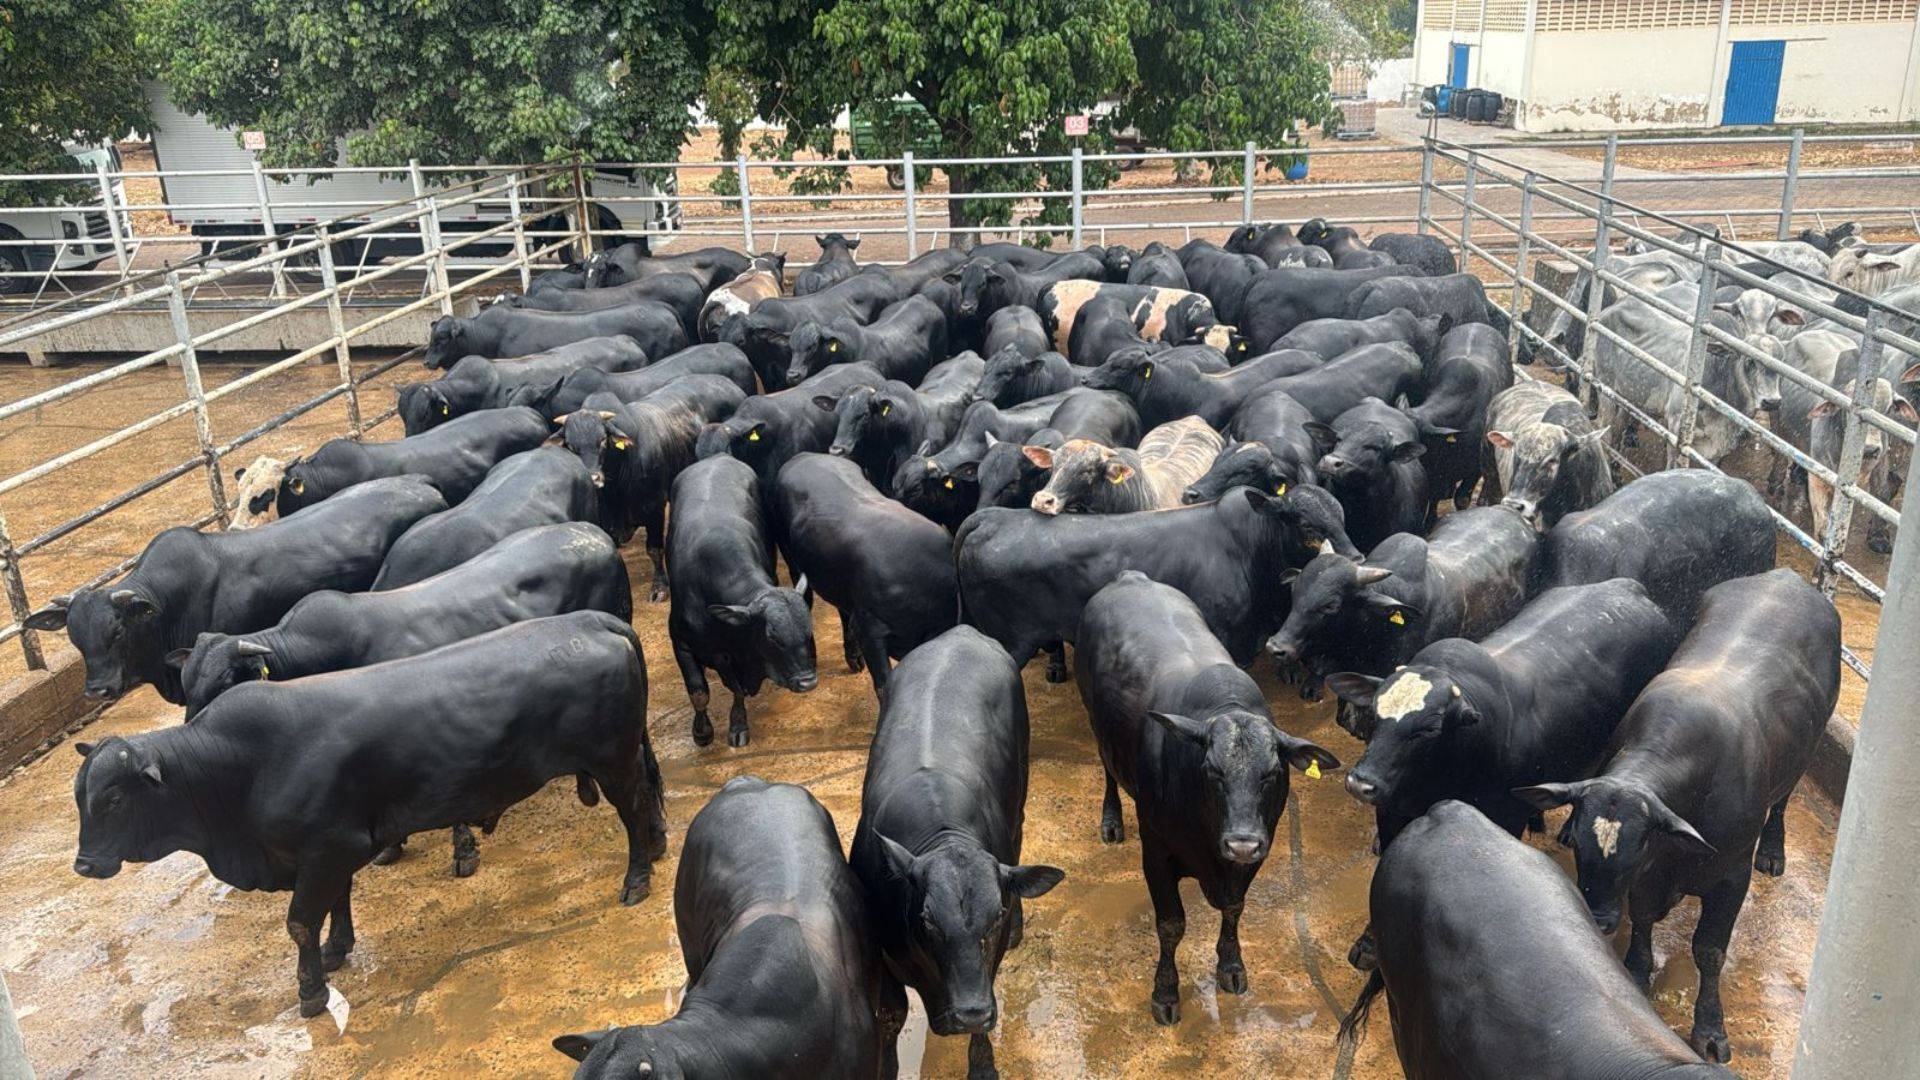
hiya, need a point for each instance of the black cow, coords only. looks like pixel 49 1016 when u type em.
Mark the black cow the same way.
pixel 766 431
pixel 1103 327
pixel 1157 264
pixel 1459 298
pixel 543 486
pixel 1464 581
pixel 1275 245
pixel 1017 327
pixel 713 358
pixel 571 276
pixel 1188 735
pixel 1695 798
pixel 187 583
pixel 455 456
pixel 1462 381
pixel 880 427
pixel 1025 577
pixel 1427 254
pixel 986 286
pixel 1678 532
pixel 1343 243
pixel 499 331
pixel 783 981
pixel 1012 376
pixel 634 451
pixel 938 844
pixel 917 273
pixel 1220 276
pixel 1168 385
pixel 1388 370
pixel 834 265
pixel 1333 337
pixel 1467 916
pixel 477 383
pixel 297 785
pixel 1117 259
pixel 765 332
pixel 885 568
pixel 1374 469
pixel 729 612
pixel 1281 299
pixel 713 266
pixel 1278 448
pixel 1007 476
pixel 684 293
pixel 908 338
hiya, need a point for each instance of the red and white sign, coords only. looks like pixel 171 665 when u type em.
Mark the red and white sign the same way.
pixel 254 140
pixel 1075 125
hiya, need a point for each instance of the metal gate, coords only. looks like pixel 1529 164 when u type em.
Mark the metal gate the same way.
pixel 1753 82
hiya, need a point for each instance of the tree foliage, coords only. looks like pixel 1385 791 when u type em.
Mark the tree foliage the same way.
pixel 1370 30
pixel 445 81
pixel 67 73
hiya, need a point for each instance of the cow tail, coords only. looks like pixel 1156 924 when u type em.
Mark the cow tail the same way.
pixel 1354 1025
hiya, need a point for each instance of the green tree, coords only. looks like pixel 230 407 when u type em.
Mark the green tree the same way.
pixel 1371 30
pixel 445 81
pixel 68 72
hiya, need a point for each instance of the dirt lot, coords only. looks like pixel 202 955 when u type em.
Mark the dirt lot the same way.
pixel 1894 150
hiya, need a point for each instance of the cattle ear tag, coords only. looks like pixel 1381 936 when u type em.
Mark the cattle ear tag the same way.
pixel 753 436
pixel 1397 619
pixel 1147 372
pixel 1453 438
pixel 886 407
pixel 621 444
pixel 833 346
pixel 263 671
pixel 1280 489
pixel 949 484
pixel 443 409
pixel 1313 770
pixel 299 486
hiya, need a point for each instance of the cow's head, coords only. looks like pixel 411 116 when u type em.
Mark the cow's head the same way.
pixel 1614 826
pixel 297 488
pixel 1128 370
pixel 1315 232
pixel 1545 460
pixel 1007 476
pixel 813 346
pixel 117 632
pixel 633 1053
pixel 1115 261
pixel 1367 439
pixel 743 437
pixel 258 485
pixel 600 270
pixel 1313 520
pixel 779 631
pixel 1417 709
pixel 1244 776
pixel 1244 464
pixel 772 262
pixel 216 664
pixel 1076 471
pixel 1331 594
pixel 931 487
pixel 833 242
pixel 1002 369
pixel 600 438
pixel 127 811
pixel 982 282
pixel 1225 340
pixel 424 406
pixel 446 341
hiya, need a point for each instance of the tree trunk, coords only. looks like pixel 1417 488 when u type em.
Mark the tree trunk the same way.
pixel 962 213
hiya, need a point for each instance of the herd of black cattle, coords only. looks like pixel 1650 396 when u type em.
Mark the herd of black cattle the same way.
pixel 1167 459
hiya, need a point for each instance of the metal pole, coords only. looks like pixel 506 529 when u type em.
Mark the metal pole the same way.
pixel 1466 213
pixel 746 200
pixel 1853 439
pixel 443 283
pixel 429 229
pixel 1247 166
pixel 13 1050
pixel 1426 186
pixel 1078 197
pixel 1521 254
pixel 269 229
pixel 583 223
pixel 1597 289
pixel 519 230
pixel 907 184
pixel 121 257
pixel 1696 364
pixel 342 351
pixel 1787 190
pixel 190 374
pixel 21 607
pixel 1864 991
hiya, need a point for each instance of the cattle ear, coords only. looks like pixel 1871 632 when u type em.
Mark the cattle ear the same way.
pixel 1408 451
pixel 1547 796
pixel 1790 317
pixel 1392 610
pixel 1289 575
pixel 1031 882
pixel 1354 688
pixel 240 473
pixel 1911 375
pixel 951 277
pixel 578 1046
pixel 898 860
pixel 1677 827
pixel 731 614
pixel 1904 409
pixel 1501 439
pixel 853 244
pixel 1596 436
pixel 1039 455
pixel 83 748
pixel 824 401
pixel 1305 756
pixel 1825 408
pixel 1184 726
pixel 131 602
pixel 51 618
pixel 1322 434
pixel 558 438
pixel 1881 264
pixel 152 773
pixel 1119 472
pixel 177 658
pixel 925 448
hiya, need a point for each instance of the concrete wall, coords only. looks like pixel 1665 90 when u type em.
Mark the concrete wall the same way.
pixel 1848 73
pixel 1498 61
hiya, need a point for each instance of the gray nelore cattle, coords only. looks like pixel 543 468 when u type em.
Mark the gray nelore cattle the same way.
pixel 683 293
pixel 476 383
pixel 1464 581
pixel 834 265
pixel 1281 299
pixel 545 570
pixel 187 583
pixel 1343 243
pixel 1167 385
pixel 455 457
pixel 766 431
pixel 1025 577
pixel 542 486
pixel 1678 532
pixel 908 338
pixel 783 980
pixel 633 452
pixel 885 568
pixel 1188 735
pixel 1651 271
pixel 1736 379
pixel 1157 265
pixel 1012 376
pixel 297 785
pixel 1334 337
pixel 764 333
pixel 938 845
pixel 881 426
pixel 1695 796
pixel 1173 316
pixel 499 331
pixel 715 358
pixel 1087 477
pixel 729 612
pixel 1467 916
pixel 1457 298
pixel 1220 276
pixel 629 262
pixel 987 285
pixel 1374 469
pixel 759 281
pixel 1016 327
pixel 1543 453
pixel 1817 426
pixel 1872 273
pixel 1469 372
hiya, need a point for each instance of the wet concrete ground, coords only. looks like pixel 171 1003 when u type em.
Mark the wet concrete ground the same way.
pixel 164 972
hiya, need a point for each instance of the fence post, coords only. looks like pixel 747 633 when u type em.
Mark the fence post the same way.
pixel 190 374
pixel 1466 213
pixel 1596 288
pixel 1791 185
pixel 1078 198
pixel 1853 440
pixel 907 187
pixel 583 224
pixel 746 200
pixel 1696 364
pixel 519 230
pixel 1426 185
pixel 1247 166
pixel 17 603
pixel 1522 252
pixel 336 319
pixel 429 229
pixel 269 229
pixel 121 257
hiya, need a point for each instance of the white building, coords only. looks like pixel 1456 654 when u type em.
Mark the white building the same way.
pixel 1598 65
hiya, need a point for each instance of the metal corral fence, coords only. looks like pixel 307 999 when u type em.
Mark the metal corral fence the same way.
pixel 1499 194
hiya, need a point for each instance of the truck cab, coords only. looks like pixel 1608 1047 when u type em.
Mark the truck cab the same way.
pixel 68 236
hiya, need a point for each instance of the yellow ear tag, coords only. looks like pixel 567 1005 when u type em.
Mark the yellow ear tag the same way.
pixel 299 486
pixel 949 484
pixel 1313 770
pixel 1116 479
pixel 1397 619
pixel 1453 438
pixel 886 408
pixel 1147 372
pixel 753 436
pixel 833 346
pixel 621 444
pixel 1281 490
pixel 444 410
pixel 263 671
pixel 1242 347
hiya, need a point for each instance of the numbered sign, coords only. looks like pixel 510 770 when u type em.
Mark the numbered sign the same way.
pixel 1075 125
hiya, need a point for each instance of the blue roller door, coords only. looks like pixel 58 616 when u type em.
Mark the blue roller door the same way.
pixel 1753 82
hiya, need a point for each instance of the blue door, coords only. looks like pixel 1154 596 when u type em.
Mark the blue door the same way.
pixel 1753 82
pixel 1457 77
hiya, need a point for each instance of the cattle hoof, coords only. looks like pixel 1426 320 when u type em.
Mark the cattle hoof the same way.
pixel 738 737
pixel 464 864
pixel 389 855
pixel 983 1074
pixel 657 595
pixel 636 891
pixel 1361 955
pixel 332 958
pixel 1880 545
pixel 1112 831
pixel 1711 1043
pixel 1056 672
pixel 1231 980
pixel 1166 1013
pixel 1770 863
pixel 855 664
pixel 311 1007
pixel 1309 691
pixel 702 730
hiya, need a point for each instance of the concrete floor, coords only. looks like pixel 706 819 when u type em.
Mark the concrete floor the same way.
pixel 164 972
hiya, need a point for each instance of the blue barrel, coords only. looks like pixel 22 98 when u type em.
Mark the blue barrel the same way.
pixel 1442 99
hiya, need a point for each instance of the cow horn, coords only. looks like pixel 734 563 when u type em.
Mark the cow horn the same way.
pixel 251 648
pixel 605 415
pixel 122 597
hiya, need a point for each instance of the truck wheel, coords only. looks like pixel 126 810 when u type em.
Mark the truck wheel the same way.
pixel 897 177
pixel 13 261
